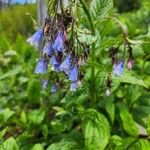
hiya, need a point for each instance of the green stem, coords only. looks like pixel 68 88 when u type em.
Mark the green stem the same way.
pixel 88 16
pixel 92 81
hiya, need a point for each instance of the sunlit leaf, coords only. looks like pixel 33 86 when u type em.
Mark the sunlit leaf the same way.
pixel 36 116
pixel 64 145
pixel 9 144
pixel 100 8
pixel 128 122
pixel 110 108
pixel 11 73
pixel 96 130
pixel 37 147
pixel 5 114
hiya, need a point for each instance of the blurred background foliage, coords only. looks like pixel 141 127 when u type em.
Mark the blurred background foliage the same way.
pixel 33 118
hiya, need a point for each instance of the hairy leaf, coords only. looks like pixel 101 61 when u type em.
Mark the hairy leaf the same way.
pixel 9 144
pixel 96 130
pixel 128 122
pixel 100 8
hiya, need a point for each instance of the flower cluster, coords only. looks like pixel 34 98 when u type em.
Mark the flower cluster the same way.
pixel 58 50
pixel 118 64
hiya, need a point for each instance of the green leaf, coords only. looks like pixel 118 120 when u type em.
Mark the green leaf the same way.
pixel 2 132
pixel 23 117
pixel 37 147
pixel 36 116
pixel 10 53
pixel 12 72
pixel 145 144
pixel 86 38
pixel 5 114
pixel 34 89
pixel 126 78
pixel 9 144
pixel 100 8
pixel 110 108
pixel 64 145
pixel 141 144
pixel 116 141
pixel 96 130
pixel 128 122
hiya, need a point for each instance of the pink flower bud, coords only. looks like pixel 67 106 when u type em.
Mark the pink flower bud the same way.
pixel 130 64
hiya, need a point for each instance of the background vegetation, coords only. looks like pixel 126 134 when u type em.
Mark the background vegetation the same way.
pixel 33 118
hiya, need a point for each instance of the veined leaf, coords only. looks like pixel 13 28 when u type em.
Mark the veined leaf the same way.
pixel 2 132
pixel 13 72
pixel 33 90
pixel 9 144
pixel 37 147
pixel 36 116
pixel 5 114
pixel 145 144
pixel 100 8
pixel 126 78
pixel 64 145
pixel 110 108
pixel 96 130
pixel 128 122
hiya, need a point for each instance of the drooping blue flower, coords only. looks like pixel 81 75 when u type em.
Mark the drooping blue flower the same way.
pixel 118 68
pixel 54 88
pixel 36 38
pixel 48 49
pixel 59 42
pixel 44 84
pixel 66 64
pixel 73 86
pixel 73 73
pixel 55 63
pixel 41 66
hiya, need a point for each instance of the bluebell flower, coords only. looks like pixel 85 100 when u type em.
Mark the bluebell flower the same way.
pixel 73 86
pixel 118 68
pixel 48 49
pixel 44 84
pixel 54 89
pixel 55 63
pixel 41 66
pixel 66 64
pixel 36 38
pixel 59 42
pixel 73 74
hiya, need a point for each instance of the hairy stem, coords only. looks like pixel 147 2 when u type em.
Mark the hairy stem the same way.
pixel 92 80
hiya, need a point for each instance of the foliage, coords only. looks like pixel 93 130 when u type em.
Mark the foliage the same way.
pixel 14 20
pixel 32 117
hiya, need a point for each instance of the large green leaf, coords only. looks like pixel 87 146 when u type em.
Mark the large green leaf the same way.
pixel 12 72
pixel 128 122
pixel 5 114
pixel 96 130
pixel 9 144
pixel 36 116
pixel 34 90
pixel 145 144
pixel 127 78
pixel 37 147
pixel 64 145
pixel 110 108
pixel 100 8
